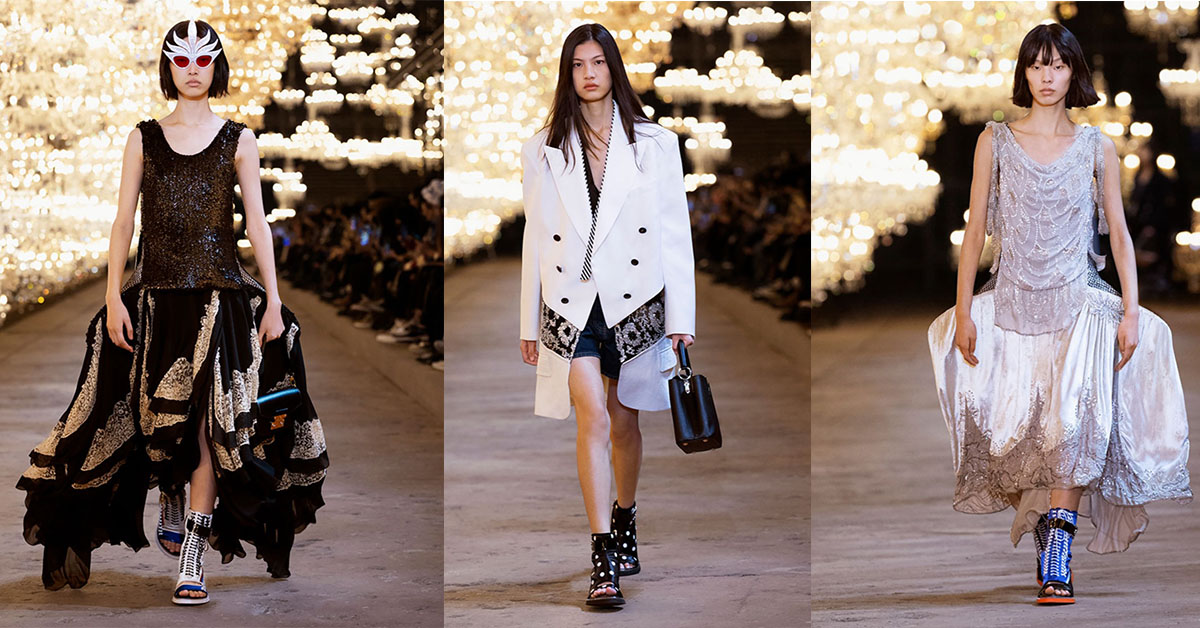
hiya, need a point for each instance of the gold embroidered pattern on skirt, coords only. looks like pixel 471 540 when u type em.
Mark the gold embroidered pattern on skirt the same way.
pixel 176 384
pixel 290 479
pixel 87 395
pixel 145 315
pixel 101 480
pixel 291 336
pixel 310 440
pixel 109 438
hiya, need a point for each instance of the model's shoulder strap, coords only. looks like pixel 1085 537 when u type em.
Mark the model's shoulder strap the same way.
pixel 1098 170
pixel 998 137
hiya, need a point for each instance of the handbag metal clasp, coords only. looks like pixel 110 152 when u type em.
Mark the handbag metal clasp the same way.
pixel 685 374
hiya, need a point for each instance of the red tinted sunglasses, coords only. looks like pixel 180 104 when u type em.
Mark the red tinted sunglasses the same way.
pixel 183 61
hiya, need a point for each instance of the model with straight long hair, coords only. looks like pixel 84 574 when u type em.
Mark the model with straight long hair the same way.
pixel 1054 385
pixel 607 283
pixel 193 376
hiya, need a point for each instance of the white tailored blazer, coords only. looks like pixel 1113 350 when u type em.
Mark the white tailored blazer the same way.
pixel 642 265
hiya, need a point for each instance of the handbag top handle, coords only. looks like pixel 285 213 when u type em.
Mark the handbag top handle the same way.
pixel 685 365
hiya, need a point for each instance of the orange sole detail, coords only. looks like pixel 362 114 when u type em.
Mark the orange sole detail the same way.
pixel 1056 600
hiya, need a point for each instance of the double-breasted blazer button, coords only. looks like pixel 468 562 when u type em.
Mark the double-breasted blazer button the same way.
pixel 633 261
pixel 557 237
pixel 642 230
pixel 559 268
pixel 566 300
pixel 628 296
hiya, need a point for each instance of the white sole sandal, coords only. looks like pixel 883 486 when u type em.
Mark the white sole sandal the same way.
pixel 191 560
pixel 170 523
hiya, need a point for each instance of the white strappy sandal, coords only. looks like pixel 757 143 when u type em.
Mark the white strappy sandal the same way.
pixel 191 560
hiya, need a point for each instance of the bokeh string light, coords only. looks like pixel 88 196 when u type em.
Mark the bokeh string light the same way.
pixel 880 96
pixel 1162 21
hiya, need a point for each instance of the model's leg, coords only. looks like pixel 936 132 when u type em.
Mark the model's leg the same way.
pixel 627 464
pixel 626 447
pixel 591 442
pixel 591 446
pixel 203 493
pixel 1066 498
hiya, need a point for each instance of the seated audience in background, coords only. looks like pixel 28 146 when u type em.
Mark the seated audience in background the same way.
pixel 379 261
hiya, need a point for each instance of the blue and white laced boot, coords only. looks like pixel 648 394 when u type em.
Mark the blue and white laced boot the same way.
pixel 191 560
pixel 1040 532
pixel 1056 560
pixel 170 522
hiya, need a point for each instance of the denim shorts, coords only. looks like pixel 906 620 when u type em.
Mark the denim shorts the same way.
pixel 598 340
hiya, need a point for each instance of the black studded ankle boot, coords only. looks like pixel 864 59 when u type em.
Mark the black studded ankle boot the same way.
pixel 604 572
pixel 624 529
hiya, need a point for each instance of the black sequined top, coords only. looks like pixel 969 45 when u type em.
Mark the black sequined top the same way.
pixel 187 214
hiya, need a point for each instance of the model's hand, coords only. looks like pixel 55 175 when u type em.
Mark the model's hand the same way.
pixel 686 339
pixel 1127 338
pixel 271 326
pixel 117 323
pixel 964 339
pixel 529 351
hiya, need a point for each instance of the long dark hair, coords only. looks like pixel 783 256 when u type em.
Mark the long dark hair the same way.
pixel 220 80
pixel 1040 44
pixel 566 114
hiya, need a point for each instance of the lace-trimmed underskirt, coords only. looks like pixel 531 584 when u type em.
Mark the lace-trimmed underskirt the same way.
pixel 1047 411
pixel 134 422
pixel 1027 310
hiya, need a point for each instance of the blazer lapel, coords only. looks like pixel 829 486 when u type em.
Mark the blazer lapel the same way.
pixel 571 186
pixel 620 176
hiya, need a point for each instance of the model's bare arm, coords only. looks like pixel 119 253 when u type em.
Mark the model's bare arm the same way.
pixel 122 227
pixel 257 229
pixel 972 247
pixel 1122 252
pixel 259 232
pixel 117 321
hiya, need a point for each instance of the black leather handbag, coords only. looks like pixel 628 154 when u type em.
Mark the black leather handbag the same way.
pixel 695 416
pixel 274 433
pixel 277 406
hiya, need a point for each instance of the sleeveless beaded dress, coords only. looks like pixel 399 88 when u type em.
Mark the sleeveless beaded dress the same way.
pixel 134 418
pixel 1044 408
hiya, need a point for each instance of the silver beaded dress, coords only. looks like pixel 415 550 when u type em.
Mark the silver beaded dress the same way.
pixel 1044 408
pixel 196 364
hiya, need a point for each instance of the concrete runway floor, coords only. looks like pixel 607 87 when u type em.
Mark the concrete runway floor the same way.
pixel 374 557
pixel 724 534
pixel 890 551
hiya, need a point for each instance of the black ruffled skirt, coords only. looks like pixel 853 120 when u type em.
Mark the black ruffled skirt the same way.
pixel 134 423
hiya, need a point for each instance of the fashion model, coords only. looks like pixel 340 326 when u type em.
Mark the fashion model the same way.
pixel 607 282
pixel 168 397
pixel 1054 385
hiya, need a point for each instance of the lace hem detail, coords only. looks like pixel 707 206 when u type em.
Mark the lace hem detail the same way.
pixel 1094 280
pixel 642 329
pixel 1038 311
pixel 557 333
pixel 986 479
pixel 636 333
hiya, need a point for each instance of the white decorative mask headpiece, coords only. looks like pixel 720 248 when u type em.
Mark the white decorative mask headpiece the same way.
pixel 184 53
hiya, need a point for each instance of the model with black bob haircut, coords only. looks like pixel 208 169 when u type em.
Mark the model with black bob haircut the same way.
pixel 193 377
pixel 1039 46
pixel 1056 386
pixel 179 33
